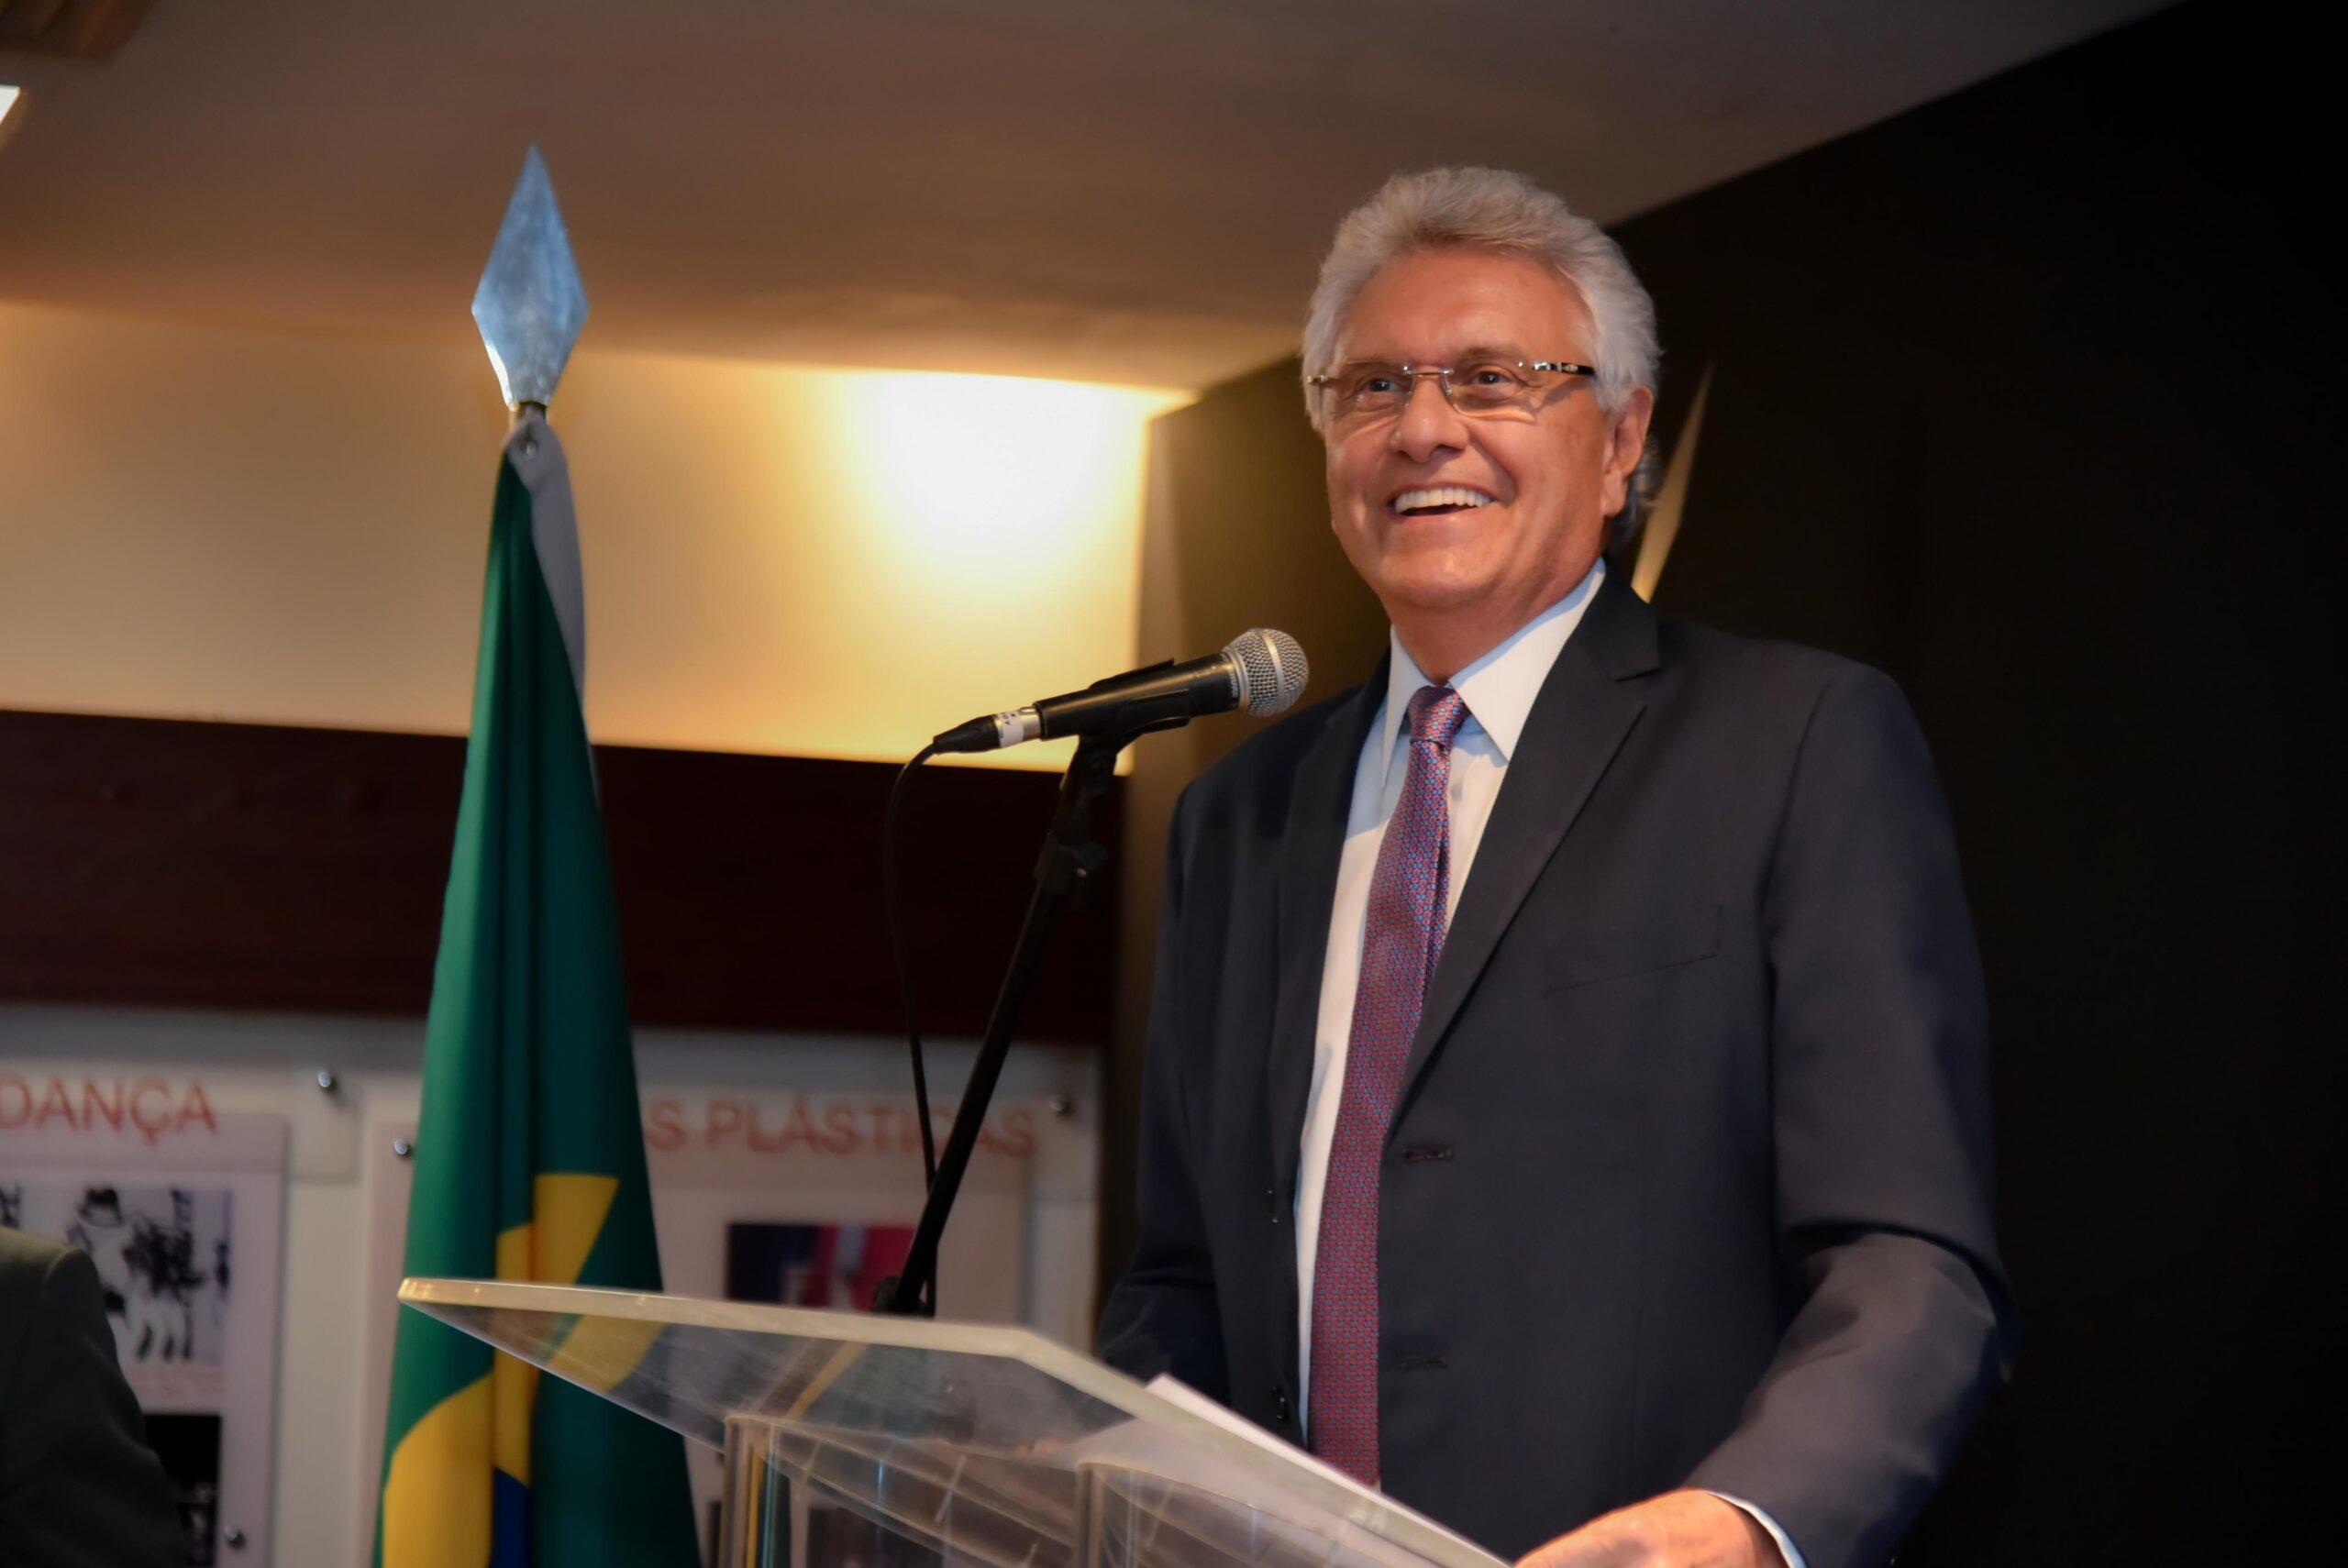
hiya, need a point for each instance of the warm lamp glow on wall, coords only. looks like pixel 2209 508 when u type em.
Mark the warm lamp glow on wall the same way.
pixel 981 473
pixel 9 98
pixel 980 548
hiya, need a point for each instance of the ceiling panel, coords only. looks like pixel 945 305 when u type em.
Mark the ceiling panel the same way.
pixel 1134 192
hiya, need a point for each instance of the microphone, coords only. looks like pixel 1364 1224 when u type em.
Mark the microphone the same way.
pixel 1260 670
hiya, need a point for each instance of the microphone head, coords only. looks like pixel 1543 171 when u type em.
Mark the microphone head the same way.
pixel 1271 671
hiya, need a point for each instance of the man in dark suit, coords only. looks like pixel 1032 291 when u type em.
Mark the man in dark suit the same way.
pixel 1566 1105
pixel 77 1483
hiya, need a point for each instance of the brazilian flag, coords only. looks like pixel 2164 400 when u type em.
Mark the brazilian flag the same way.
pixel 529 1155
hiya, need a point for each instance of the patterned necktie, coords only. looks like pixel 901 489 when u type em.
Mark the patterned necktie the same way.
pixel 1408 893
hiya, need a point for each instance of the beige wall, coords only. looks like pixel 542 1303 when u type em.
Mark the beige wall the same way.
pixel 204 523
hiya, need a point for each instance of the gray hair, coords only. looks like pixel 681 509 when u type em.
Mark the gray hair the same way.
pixel 1494 210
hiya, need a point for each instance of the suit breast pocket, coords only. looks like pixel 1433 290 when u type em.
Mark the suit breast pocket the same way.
pixel 1587 954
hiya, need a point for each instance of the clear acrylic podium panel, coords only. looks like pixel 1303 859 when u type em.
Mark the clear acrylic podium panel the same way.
pixel 884 1442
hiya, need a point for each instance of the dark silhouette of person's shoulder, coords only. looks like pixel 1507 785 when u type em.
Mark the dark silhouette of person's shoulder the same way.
pixel 25 1255
pixel 77 1483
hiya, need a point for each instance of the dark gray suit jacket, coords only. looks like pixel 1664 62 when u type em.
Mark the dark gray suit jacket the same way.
pixel 77 1483
pixel 1688 1183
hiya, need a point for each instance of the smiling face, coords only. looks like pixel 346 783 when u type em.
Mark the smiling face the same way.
pixel 1467 527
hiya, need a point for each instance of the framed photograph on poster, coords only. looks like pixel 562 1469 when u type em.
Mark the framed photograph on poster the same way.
pixel 184 1216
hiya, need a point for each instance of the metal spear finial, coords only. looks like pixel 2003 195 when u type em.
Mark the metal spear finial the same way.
pixel 530 304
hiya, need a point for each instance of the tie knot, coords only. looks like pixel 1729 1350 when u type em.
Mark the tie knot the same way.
pixel 1435 713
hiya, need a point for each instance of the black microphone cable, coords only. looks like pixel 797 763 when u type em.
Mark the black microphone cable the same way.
pixel 893 903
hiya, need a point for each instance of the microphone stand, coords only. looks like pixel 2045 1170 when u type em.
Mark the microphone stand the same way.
pixel 1065 869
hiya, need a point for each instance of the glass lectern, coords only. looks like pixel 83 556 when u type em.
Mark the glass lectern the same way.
pixel 877 1441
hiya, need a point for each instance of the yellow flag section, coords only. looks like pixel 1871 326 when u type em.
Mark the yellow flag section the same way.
pixel 441 1471
pixel 437 1488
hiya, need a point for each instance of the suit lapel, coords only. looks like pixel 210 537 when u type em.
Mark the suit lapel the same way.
pixel 1311 848
pixel 1584 712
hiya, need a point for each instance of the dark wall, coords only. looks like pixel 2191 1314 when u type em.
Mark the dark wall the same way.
pixel 155 862
pixel 2024 396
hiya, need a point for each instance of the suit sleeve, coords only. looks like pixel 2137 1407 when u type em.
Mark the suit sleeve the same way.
pixel 1879 1101
pixel 77 1483
pixel 1162 1316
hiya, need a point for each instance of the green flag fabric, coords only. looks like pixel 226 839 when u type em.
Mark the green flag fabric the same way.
pixel 529 1154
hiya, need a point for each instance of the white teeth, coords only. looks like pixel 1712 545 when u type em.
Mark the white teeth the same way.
pixel 1447 495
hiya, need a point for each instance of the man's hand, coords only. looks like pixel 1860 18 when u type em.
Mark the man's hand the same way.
pixel 1679 1529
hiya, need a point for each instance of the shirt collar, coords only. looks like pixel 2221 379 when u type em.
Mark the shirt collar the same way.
pixel 1499 687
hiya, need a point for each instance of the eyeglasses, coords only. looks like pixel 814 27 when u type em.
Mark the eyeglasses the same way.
pixel 1368 389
